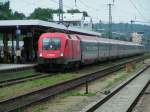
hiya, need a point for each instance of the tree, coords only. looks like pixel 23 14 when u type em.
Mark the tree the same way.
pixel 43 14
pixel 85 14
pixel 17 15
pixel 5 12
pixel 73 11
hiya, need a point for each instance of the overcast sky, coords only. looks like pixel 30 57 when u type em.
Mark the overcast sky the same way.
pixel 122 11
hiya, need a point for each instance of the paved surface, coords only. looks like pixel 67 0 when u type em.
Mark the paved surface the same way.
pixel 144 103
pixel 148 90
pixel 122 101
pixel 13 66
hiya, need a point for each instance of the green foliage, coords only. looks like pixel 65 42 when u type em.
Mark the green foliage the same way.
pixel 43 14
pixel 123 28
pixel 40 109
pixel 77 93
pixel 6 13
pixel 123 37
pixel 85 14
pixel 77 11
pixel 17 15
pixel 73 11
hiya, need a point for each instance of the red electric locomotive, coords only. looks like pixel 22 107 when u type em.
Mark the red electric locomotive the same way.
pixel 58 49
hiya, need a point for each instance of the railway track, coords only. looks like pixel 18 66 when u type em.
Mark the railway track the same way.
pixel 13 104
pixel 116 101
pixel 23 79
pixel 35 76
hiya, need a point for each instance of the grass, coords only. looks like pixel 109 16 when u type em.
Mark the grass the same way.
pixel 121 76
pixel 34 85
pixel 40 109
pixel 15 75
pixel 77 93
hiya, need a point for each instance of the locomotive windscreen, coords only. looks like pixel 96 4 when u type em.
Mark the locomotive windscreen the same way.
pixel 51 43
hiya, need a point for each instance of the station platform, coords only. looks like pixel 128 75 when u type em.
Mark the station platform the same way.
pixel 7 67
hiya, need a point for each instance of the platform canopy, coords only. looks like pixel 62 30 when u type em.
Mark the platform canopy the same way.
pixel 28 25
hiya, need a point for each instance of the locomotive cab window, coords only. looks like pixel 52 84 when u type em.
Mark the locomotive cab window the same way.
pixel 51 44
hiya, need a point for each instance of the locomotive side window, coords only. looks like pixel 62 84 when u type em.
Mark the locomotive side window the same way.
pixel 51 44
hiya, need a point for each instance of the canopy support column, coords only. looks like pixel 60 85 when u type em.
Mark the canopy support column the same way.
pixel 18 52
pixel 5 49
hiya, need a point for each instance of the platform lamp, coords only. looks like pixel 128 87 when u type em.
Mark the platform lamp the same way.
pixel 18 52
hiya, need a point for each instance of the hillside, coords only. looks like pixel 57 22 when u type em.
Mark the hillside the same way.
pixel 125 28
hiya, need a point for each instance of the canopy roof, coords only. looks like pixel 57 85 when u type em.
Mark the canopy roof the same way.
pixel 11 25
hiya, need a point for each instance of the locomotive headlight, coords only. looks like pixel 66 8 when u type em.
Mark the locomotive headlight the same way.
pixel 61 54
pixel 41 55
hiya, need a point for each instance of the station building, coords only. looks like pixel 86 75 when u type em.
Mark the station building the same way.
pixel 76 20
pixel 19 38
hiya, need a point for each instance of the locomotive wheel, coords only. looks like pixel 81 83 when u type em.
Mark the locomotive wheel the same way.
pixel 76 66
pixel 38 68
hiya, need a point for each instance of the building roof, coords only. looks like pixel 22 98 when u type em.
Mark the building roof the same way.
pixel 8 24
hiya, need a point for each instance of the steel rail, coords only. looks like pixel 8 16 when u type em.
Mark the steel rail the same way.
pixel 93 107
pixel 10 82
pixel 13 104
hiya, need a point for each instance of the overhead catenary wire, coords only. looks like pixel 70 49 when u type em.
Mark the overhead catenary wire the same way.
pixel 137 9
pixel 140 4
pixel 87 6
pixel 132 13
pixel 91 9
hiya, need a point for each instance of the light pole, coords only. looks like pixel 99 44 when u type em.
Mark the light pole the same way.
pixel 61 11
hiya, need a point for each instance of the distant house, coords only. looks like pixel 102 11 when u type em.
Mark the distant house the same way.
pixel 137 37
pixel 87 23
pixel 75 19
